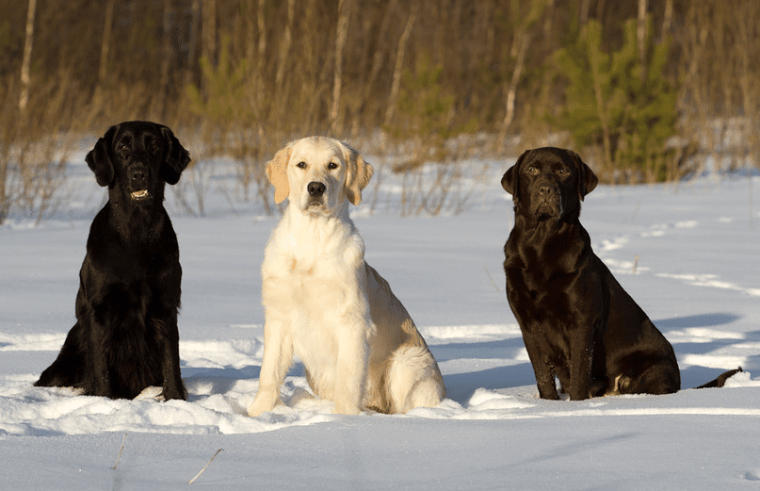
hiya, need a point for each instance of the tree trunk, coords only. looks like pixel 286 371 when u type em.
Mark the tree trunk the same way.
pixel 523 40
pixel 209 31
pixel 667 19
pixel 262 49
pixel 105 46
pixel 641 37
pixel 344 14
pixel 400 51
pixel 195 9
pixel 166 54
pixel 284 50
pixel 27 60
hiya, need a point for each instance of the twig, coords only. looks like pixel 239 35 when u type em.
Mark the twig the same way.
pixel 120 451
pixel 205 467
pixel 635 263
pixel 491 280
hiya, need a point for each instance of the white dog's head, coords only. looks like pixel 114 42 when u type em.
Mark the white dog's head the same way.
pixel 318 174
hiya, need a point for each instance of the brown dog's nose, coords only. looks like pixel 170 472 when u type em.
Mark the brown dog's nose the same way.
pixel 544 190
pixel 316 189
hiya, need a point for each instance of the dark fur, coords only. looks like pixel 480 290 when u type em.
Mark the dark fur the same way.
pixel 577 322
pixel 126 336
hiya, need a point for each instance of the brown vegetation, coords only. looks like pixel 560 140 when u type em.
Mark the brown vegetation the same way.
pixel 247 75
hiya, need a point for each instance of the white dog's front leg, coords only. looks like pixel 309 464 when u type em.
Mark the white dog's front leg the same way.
pixel 278 355
pixel 353 359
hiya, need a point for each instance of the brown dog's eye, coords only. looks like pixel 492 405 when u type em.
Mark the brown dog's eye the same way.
pixel 301 165
pixel 332 165
pixel 562 170
pixel 532 170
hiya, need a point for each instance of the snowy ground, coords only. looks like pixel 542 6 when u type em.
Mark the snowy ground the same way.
pixel 695 250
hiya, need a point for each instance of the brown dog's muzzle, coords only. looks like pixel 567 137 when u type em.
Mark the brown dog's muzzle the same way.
pixel 547 200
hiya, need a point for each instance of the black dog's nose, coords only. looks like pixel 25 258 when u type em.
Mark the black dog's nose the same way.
pixel 137 174
pixel 316 189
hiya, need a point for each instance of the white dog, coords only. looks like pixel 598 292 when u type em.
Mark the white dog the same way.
pixel 322 302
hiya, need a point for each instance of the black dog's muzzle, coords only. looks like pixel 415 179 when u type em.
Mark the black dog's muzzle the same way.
pixel 138 181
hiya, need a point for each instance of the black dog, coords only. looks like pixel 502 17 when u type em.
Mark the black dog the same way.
pixel 577 322
pixel 126 336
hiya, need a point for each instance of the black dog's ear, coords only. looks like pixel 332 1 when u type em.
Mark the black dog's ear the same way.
pixel 99 158
pixel 176 157
pixel 511 179
pixel 587 180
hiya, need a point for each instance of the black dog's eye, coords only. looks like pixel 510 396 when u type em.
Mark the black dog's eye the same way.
pixel 301 165
pixel 154 147
pixel 332 165
pixel 124 148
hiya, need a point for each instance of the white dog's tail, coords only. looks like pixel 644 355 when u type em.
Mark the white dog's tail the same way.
pixel 414 380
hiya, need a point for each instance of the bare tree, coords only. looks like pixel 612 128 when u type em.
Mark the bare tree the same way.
pixel 641 37
pixel 25 78
pixel 195 12
pixel 208 49
pixel 105 45
pixel 399 65
pixel 287 40
pixel 344 14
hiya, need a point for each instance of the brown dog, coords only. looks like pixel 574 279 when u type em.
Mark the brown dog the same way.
pixel 577 322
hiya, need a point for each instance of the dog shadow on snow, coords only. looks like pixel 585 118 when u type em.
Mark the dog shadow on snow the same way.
pixel 690 335
pixel 696 331
pixel 702 339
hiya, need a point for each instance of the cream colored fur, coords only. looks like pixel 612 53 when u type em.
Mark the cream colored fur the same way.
pixel 323 303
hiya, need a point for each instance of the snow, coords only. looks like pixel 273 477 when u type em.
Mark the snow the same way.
pixel 687 253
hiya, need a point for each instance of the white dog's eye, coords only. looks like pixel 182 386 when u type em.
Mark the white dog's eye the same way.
pixel 332 165
pixel 301 165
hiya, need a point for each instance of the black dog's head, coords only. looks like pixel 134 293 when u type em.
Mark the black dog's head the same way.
pixel 134 159
pixel 549 183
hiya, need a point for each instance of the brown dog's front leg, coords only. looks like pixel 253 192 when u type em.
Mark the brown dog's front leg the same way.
pixel 581 355
pixel 547 389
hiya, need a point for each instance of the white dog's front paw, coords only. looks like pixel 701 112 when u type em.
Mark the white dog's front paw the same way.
pixel 262 405
pixel 347 408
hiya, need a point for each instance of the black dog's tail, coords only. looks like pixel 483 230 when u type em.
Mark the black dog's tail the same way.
pixel 721 381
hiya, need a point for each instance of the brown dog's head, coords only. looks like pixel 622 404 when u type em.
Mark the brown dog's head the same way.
pixel 549 183
pixel 135 158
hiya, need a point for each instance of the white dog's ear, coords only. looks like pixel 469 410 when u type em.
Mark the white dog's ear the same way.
pixel 277 172
pixel 358 175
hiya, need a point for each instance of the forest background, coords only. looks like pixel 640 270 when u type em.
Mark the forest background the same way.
pixel 645 90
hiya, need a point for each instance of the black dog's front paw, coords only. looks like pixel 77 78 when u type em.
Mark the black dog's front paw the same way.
pixel 175 393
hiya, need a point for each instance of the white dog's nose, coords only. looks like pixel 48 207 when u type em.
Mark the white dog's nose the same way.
pixel 316 189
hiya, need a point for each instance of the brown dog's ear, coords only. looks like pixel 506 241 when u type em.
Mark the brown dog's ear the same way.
pixel 587 180
pixel 358 174
pixel 277 172
pixel 99 158
pixel 176 159
pixel 511 179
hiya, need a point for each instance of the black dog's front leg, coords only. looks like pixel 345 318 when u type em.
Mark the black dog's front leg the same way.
pixel 168 332
pixel 100 383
